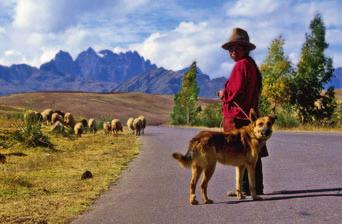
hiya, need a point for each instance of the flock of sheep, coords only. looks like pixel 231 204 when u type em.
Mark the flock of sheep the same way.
pixel 59 120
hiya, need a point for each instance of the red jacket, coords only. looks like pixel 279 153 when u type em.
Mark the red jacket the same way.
pixel 242 88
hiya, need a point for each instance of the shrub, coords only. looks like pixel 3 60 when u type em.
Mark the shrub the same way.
pixel 211 116
pixel 30 134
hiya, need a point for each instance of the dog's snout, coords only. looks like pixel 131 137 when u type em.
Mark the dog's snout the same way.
pixel 266 132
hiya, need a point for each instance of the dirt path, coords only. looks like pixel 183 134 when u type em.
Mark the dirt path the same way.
pixel 302 178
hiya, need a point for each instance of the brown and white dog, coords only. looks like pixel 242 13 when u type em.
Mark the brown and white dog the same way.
pixel 239 148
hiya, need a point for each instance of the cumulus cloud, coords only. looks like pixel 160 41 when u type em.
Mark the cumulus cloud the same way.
pixel 169 33
pixel 188 42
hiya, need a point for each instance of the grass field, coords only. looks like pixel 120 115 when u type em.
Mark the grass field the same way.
pixel 41 185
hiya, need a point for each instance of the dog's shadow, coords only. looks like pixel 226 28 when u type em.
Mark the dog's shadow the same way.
pixel 292 194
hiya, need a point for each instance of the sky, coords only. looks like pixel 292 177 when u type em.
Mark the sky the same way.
pixel 172 34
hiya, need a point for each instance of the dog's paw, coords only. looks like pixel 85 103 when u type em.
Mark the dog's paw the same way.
pixel 209 201
pixel 257 198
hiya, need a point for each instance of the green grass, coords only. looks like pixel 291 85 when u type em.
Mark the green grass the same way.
pixel 40 185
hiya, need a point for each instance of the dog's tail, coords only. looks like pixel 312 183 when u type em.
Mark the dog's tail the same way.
pixel 184 160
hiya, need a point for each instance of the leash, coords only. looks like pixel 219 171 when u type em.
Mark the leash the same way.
pixel 237 105
pixel 244 113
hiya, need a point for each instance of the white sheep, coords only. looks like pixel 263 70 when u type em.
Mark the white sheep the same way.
pixel 116 126
pixel 130 125
pixel 56 117
pixel 58 127
pixel 78 129
pixel 107 128
pixel 69 120
pixel 137 125
pixel 92 125
pixel 143 123
pixel 32 116
pixel 47 113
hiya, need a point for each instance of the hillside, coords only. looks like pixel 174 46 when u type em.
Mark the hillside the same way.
pixel 156 108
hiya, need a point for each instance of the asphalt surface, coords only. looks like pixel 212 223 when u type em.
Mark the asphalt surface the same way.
pixel 302 179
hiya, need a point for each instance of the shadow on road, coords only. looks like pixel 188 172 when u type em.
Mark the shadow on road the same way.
pixel 300 194
pixel 304 191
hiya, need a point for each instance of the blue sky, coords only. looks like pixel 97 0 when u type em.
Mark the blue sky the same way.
pixel 171 34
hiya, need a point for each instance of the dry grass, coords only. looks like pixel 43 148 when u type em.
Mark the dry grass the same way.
pixel 338 95
pixel 38 185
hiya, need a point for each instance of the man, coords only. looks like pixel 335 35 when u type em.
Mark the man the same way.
pixel 241 93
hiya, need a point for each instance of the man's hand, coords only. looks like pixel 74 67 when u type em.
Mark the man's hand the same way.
pixel 220 93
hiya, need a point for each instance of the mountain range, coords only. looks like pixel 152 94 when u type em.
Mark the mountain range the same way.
pixel 102 71
pixel 105 71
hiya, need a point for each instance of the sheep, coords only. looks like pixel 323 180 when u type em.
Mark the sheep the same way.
pixel 58 127
pixel 107 128
pixel 92 125
pixel 59 112
pixel 137 125
pixel 78 129
pixel 85 124
pixel 56 117
pixel 116 126
pixel 47 113
pixel 32 116
pixel 69 120
pixel 130 125
pixel 143 123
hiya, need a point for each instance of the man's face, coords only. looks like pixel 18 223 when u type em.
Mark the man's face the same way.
pixel 237 52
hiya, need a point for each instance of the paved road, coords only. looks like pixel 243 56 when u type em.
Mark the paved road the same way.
pixel 302 178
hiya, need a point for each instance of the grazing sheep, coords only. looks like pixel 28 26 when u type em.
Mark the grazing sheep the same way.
pixel 107 128
pixel 85 124
pixel 59 112
pixel 47 113
pixel 56 117
pixel 130 125
pixel 69 120
pixel 58 127
pixel 143 123
pixel 116 126
pixel 137 125
pixel 32 116
pixel 78 129
pixel 92 125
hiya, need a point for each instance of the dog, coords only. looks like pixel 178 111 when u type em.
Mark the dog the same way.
pixel 239 148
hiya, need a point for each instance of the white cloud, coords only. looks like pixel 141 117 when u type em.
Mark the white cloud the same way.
pixel 188 42
pixel 252 8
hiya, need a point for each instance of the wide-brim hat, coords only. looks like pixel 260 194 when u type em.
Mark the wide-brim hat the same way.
pixel 239 37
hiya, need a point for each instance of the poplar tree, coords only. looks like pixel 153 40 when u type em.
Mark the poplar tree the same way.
pixel 186 105
pixel 276 71
pixel 313 71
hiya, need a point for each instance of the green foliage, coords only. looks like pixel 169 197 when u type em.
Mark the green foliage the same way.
pixel 186 101
pixel 276 71
pixel 211 116
pixel 30 135
pixel 286 117
pixel 265 107
pixel 313 71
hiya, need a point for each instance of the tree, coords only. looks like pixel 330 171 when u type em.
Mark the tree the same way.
pixel 313 71
pixel 276 70
pixel 186 101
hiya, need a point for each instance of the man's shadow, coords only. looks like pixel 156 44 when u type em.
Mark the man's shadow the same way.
pixel 292 194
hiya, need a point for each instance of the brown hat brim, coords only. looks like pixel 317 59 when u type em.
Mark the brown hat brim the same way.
pixel 228 45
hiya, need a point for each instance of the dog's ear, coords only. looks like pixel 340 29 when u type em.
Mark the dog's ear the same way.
pixel 252 115
pixel 273 117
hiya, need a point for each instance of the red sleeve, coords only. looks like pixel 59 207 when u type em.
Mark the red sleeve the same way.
pixel 236 84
